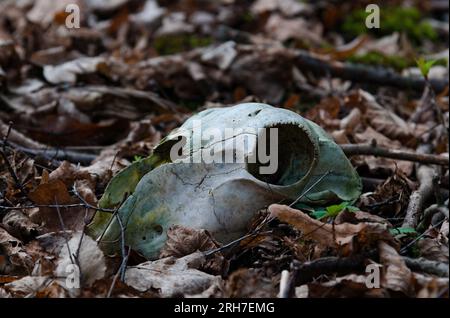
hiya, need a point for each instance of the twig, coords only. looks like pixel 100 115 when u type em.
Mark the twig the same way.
pixel 118 273
pixel 428 214
pixel 73 205
pixel 285 284
pixel 59 154
pixel 61 222
pixel 306 272
pixel 359 73
pixel 424 265
pixel 7 163
pixel 268 219
pixel 419 197
pixel 368 149
pixel 256 231
pixel 122 244
pixel 405 248
pixel 310 188
pixel 363 73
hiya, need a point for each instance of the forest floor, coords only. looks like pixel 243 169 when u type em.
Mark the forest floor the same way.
pixel 78 104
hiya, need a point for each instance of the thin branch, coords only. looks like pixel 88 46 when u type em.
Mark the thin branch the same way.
pixel 405 248
pixel 73 205
pixel 368 149
pixel 419 197
pixel 320 66
pixel 424 265
pixel 6 160
pixel 363 74
pixel 286 284
pixel 305 272
pixel 310 188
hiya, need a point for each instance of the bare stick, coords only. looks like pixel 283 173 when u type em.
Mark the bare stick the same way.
pixel 7 163
pixel 419 197
pixel 363 73
pixel 368 149
pixel 306 272
pixel 317 65
pixel 73 205
pixel 405 248
pixel 59 154
pixel 285 284
pixel 424 265
pixel 311 187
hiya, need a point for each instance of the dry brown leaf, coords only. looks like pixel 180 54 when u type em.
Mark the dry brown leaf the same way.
pixel 19 225
pixel 183 241
pixel 84 252
pixel 68 72
pixel 384 120
pixel 170 276
pixel 287 7
pixel 44 11
pixel 346 237
pixel 348 286
pixel 360 217
pixel 391 197
pixel 396 276
pixel 352 120
pixel 340 137
pixel 16 261
pixel 430 286
pixel 28 285
pixel 52 193
pixel 283 29
pixel 378 163
pixel 443 233
pixel 433 250
pixel 249 283
pixel 347 50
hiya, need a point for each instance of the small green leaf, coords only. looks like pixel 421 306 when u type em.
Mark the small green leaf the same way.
pixel 137 158
pixel 352 208
pixel 425 66
pixel 402 230
pixel 319 214
pixel 334 210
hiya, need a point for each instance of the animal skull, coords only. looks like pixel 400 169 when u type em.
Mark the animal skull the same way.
pixel 222 197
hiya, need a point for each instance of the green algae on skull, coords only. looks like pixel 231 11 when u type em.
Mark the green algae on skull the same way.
pixel 222 197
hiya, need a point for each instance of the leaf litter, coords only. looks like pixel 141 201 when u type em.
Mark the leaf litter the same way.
pixel 77 106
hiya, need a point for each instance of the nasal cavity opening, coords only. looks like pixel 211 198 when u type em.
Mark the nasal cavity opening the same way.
pixel 292 158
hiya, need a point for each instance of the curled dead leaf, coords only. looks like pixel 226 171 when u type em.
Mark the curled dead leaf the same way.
pixel 18 224
pixel 346 237
pixel 249 283
pixel 82 251
pixel 16 259
pixel 183 241
pixel 396 276
pixel 171 276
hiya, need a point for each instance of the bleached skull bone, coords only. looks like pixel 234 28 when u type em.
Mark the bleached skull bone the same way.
pixel 222 197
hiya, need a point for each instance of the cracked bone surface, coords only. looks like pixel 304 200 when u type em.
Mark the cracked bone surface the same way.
pixel 158 192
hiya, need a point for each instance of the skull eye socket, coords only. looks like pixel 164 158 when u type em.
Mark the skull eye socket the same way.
pixel 158 229
pixel 295 156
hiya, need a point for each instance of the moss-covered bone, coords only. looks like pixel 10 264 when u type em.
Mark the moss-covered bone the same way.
pixel 222 197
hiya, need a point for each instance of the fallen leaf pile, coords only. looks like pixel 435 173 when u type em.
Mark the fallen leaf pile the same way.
pixel 77 105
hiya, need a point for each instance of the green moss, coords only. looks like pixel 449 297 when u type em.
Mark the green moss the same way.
pixel 392 19
pixel 191 105
pixel 396 62
pixel 374 58
pixel 248 17
pixel 171 44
